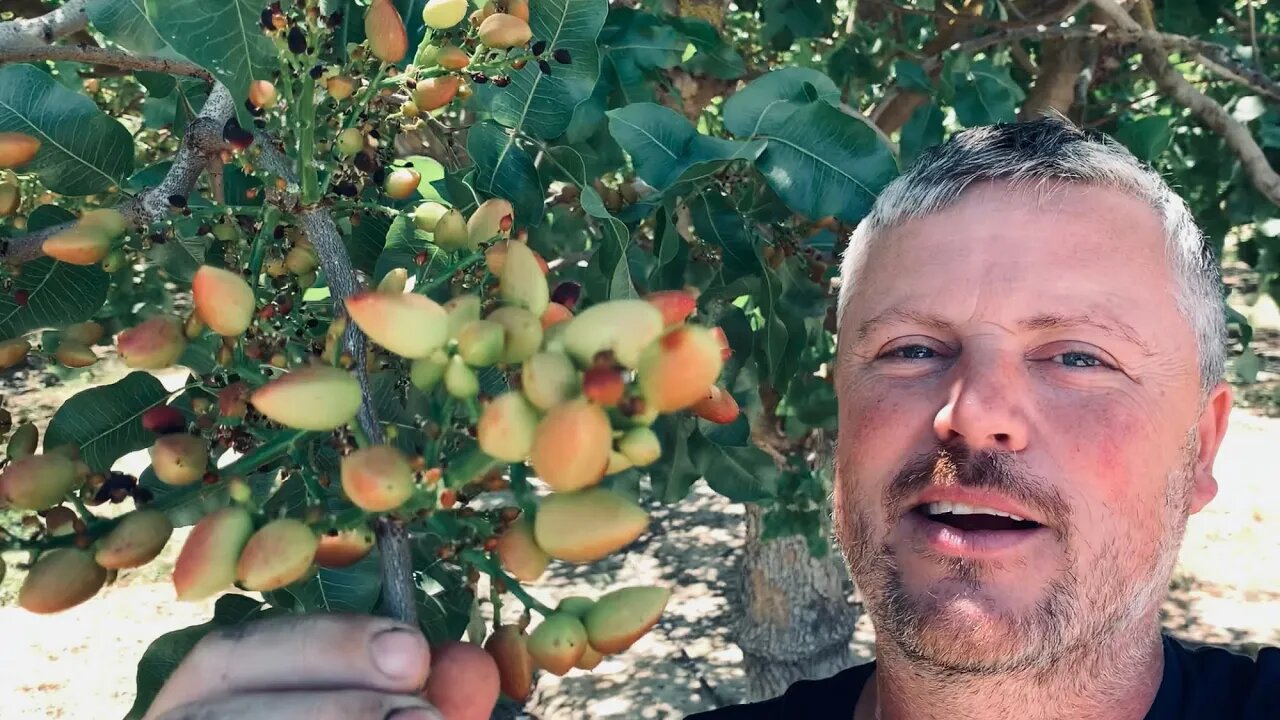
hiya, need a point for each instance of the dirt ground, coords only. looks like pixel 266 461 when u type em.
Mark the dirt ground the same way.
pixel 80 665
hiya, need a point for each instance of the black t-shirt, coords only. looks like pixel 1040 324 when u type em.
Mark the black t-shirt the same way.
pixel 1203 684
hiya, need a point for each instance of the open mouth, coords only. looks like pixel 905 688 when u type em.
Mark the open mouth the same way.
pixel 973 517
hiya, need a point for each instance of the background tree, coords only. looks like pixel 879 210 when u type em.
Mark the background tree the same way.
pixel 723 150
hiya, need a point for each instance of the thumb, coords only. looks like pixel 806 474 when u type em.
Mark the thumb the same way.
pixel 463 683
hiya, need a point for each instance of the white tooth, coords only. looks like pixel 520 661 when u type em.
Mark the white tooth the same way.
pixel 957 508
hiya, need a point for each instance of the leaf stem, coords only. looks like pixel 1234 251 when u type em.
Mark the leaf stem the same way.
pixel 270 216
pixel 307 140
pixel 487 565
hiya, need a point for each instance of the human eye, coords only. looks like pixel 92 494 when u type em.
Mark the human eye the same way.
pixel 909 351
pixel 1079 359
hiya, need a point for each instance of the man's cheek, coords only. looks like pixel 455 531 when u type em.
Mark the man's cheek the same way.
pixel 1109 451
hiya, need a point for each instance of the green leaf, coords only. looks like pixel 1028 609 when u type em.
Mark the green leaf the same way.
pixel 353 589
pixel 367 240
pixel 922 130
pixel 823 162
pixel 82 150
pixel 542 105
pixel 714 56
pixel 185 505
pixel 106 422
pixel 911 76
pixel 158 86
pixel 1147 137
pixel 400 246
pixel 58 294
pixel 641 39
pixel 765 102
pixel 773 335
pixel 223 36
pixel 717 222
pixel 674 472
pixel 742 474
pixel 665 147
pixel 506 170
pixel 985 94
pixel 610 266
pixel 125 23
pixel 166 652
pixel 180 256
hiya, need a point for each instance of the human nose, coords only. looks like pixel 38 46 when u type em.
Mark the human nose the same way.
pixel 986 405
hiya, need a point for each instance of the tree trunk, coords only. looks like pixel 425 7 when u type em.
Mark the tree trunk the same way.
pixel 796 618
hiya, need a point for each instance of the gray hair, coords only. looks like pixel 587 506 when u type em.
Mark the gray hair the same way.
pixel 1052 150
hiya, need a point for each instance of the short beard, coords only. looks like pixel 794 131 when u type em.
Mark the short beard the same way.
pixel 1071 623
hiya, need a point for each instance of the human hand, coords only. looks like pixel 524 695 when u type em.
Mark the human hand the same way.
pixel 328 667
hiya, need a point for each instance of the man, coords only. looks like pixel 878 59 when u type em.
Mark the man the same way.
pixel 1029 370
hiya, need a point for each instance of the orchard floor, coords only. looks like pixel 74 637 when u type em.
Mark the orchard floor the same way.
pixel 79 665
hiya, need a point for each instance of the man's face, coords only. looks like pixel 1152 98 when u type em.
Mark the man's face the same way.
pixel 1024 355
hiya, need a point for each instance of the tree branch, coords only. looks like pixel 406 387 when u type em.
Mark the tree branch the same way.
pixel 1209 112
pixel 70 18
pixel 102 56
pixel 393 540
pixel 202 141
pixel 1069 8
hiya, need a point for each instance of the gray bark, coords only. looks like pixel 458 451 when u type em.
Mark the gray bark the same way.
pixel 796 616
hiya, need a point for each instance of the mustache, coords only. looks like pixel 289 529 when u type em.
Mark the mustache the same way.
pixel 954 463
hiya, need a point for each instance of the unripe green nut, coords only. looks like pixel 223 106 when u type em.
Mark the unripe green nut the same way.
pixel 180 459
pixel 427 215
pixel 480 343
pixel 278 554
pixel 135 541
pixel 154 344
pixel 36 482
pixel 377 478
pixel 444 14
pixel 314 398
pixel 501 30
pixel 462 310
pixel 506 427
pixel 409 325
pixel 626 327
pixel 451 231
pixel 460 381
pixel 349 142
pixel 585 526
pixel 207 563
pixel 548 379
pixel 523 282
pixel 23 442
pixel 519 552
pixel 558 642
pixel 59 580
pixel 624 616
pixel 425 372
pixel 641 446
pixel 521 333
pixel 492 219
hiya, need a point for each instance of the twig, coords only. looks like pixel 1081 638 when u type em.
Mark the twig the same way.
pixel 1253 37
pixel 1068 10
pixel 103 56
pixel 1210 113
pixel 393 539
pixel 71 17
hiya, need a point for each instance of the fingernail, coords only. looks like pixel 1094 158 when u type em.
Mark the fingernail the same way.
pixel 399 653
pixel 413 714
